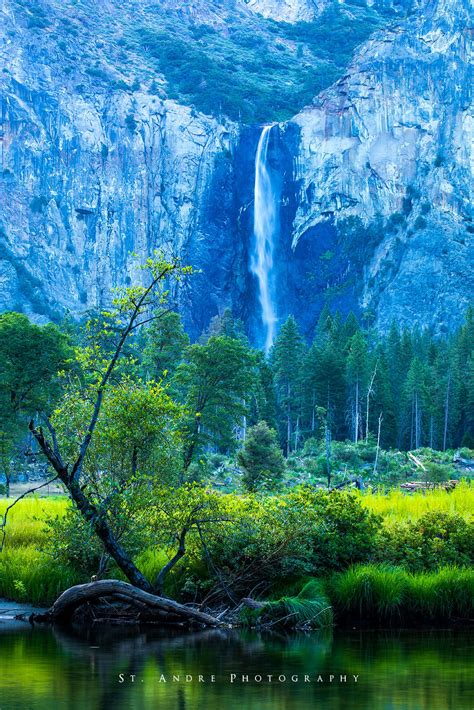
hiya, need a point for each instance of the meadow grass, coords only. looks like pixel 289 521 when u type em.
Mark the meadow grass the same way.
pixel 27 573
pixel 397 506
pixel 26 521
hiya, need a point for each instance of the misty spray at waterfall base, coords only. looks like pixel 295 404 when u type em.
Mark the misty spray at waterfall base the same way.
pixel 265 226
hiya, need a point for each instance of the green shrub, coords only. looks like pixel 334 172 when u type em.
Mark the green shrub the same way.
pixel 434 540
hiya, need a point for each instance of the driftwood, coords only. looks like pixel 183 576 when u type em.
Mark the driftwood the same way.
pixel 113 592
pixel 348 482
pixel 424 485
pixel 416 461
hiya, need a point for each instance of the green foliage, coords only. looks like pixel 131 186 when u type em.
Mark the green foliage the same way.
pixel 254 71
pixel 261 459
pixel 286 358
pixel 433 540
pixel 137 433
pixel 165 341
pixel 31 358
pixel 310 609
pixel 216 381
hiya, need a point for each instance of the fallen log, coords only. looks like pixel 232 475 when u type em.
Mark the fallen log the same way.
pixel 75 597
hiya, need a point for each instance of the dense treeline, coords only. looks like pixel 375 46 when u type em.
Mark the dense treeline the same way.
pixel 404 390
pixel 408 387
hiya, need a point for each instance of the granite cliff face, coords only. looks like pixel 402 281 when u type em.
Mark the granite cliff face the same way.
pixel 91 171
pixel 374 177
pixel 385 164
pixel 308 10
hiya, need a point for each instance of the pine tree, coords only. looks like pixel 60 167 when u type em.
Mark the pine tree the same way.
pixel 357 377
pixel 416 401
pixel 286 359
pixel 261 458
pixel 165 341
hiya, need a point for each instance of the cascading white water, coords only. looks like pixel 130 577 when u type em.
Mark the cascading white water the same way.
pixel 265 223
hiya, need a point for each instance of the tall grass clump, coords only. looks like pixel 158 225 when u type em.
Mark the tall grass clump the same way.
pixel 27 575
pixel 308 609
pixel 26 523
pixel 443 595
pixel 383 594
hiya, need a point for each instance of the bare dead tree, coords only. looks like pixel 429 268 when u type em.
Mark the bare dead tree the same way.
pixel 377 450
pixel 370 393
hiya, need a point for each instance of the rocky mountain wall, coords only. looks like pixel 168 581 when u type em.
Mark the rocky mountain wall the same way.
pixel 386 156
pixel 375 176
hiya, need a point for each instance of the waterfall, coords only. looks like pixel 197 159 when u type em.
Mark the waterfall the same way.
pixel 265 223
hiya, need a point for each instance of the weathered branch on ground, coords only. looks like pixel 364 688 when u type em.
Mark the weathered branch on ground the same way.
pixel 163 609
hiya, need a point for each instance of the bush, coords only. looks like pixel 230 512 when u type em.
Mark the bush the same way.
pixel 306 532
pixel 435 539
pixel 261 459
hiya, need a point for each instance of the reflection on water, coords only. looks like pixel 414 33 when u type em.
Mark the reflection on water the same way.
pixel 42 669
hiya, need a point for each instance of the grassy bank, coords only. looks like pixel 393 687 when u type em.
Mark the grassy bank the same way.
pixel 380 594
pixel 373 594
pixel 411 589
pixel 395 506
pixel 27 572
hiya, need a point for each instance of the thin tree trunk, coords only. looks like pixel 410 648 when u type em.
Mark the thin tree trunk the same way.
pixel 288 421
pixel 356 425
pixel 370 392
pixel 297 433
pixel 160 580
pixel 446 413
pixel 378 443
pixel 417 423
pixel 93 515
pixel 327 437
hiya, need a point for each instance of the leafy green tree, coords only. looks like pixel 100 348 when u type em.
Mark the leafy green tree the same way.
pixel 261 458
pixel 31 358
pixel 216 381
pixel 108 335
pixel 137 435
pixel 165 342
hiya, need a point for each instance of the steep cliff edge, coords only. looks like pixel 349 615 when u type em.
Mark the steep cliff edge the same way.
pixel 97 161
pixel 95 165
pixel 386 158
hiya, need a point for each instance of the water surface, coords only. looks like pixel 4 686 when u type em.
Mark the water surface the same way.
pixel 44 669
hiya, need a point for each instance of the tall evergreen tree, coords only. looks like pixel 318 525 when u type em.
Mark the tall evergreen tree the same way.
pixel 286 358
pixel 357 377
